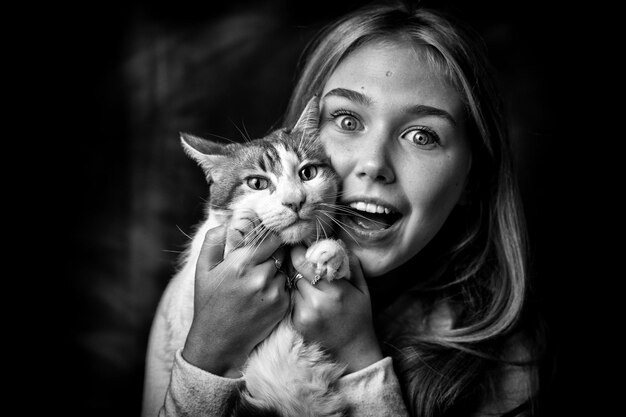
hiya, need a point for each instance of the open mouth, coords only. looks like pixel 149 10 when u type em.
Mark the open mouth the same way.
pixel 371 216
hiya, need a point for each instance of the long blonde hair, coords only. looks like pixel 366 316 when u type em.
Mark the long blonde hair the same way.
pixel 485 261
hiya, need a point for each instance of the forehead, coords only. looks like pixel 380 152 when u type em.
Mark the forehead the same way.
pixel 396 72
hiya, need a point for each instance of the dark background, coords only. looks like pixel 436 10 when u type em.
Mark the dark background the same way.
pixel 115 83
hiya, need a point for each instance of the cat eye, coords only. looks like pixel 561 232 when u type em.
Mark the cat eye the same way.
pixel 308 172
pixel 421 136
pixel 257 183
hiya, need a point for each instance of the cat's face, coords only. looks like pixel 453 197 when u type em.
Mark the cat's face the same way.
pixel 291 193
pixel 285 178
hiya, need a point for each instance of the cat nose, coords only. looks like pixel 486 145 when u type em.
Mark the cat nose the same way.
pixel 294 199
pixel 294 205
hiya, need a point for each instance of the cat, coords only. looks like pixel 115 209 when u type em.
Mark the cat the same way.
pixel 281 183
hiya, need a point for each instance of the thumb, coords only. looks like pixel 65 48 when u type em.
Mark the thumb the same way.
pixel 357 278
pixel 212 251
pixel 300 264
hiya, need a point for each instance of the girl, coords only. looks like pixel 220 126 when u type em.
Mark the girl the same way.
pixel 433 321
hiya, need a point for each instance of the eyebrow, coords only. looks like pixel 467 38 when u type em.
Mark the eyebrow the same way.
pixel 350 95
pixel 423 110
pixel 417 110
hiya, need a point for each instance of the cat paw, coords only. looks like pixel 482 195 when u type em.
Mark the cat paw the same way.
pixel 330 258
pixel 243 229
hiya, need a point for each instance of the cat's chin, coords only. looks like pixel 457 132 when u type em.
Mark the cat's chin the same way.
pixel 296 233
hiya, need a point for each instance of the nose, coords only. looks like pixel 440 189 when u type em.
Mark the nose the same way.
pixel 374 161
pixel 294 199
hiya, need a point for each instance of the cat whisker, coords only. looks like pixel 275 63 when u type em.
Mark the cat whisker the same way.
pixel 243 125
pixel 342 226
pixel 260 237
pixel 238 256
pixel 330 226
pixel 317 229
pixel 339 193
pixel 184 234
pixel 318 226
pixel 223 138
pixel 255 231
pixel 347 210
pixel 222 208
pixel 172 251
pixel 244 134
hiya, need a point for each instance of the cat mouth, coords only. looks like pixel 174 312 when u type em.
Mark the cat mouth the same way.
pixel 371 216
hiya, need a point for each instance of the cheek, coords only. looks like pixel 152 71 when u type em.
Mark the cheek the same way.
pixel 437 193
pixel 436 190
pixel 258 201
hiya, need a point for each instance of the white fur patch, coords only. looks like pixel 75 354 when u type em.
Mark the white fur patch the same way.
pixel 286 374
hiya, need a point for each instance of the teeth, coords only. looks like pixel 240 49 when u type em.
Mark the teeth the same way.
pixel 369 207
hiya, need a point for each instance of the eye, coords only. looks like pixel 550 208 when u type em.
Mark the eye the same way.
pixel 346 120
pixel 421 136
pixel 348 123
pixel 308 172
pixel 257 183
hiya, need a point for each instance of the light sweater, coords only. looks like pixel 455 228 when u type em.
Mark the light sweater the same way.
pixel 173 387
pixel 373 391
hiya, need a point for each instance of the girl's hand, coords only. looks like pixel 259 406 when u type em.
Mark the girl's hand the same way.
pixel 336 314
pixel 237 303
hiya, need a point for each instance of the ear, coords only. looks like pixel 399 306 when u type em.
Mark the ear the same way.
pixel 208 154
pixel 310 117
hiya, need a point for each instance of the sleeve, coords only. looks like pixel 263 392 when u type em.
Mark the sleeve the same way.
pixel 374 391
pixel 167 375
pixel 159 362
pixel 194 392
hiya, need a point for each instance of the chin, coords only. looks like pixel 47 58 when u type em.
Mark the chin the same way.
pixel 374 264
pixel 297 233
pixel 372 270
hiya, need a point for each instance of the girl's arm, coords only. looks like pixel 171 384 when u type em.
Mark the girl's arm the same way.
pixel 195 392
pixel 338 316
pixel 196 356
pixel 374 391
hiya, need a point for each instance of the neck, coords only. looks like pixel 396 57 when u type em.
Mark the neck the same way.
pixel 417 274
pixel 386 288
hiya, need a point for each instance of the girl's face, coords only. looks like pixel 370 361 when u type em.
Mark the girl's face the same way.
pixel 395 133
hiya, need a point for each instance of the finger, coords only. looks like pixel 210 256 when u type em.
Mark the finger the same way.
pixel 305 288
pixel 240 231
pixel 260 252
pixel 272 268
pixel 299 262
pixel 305 269
pixel 280 279
pixel 278 257
pixel 357 278
pixel 212 251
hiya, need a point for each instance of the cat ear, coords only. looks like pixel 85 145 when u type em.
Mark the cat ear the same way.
pixel 206 153
pixel 310 117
